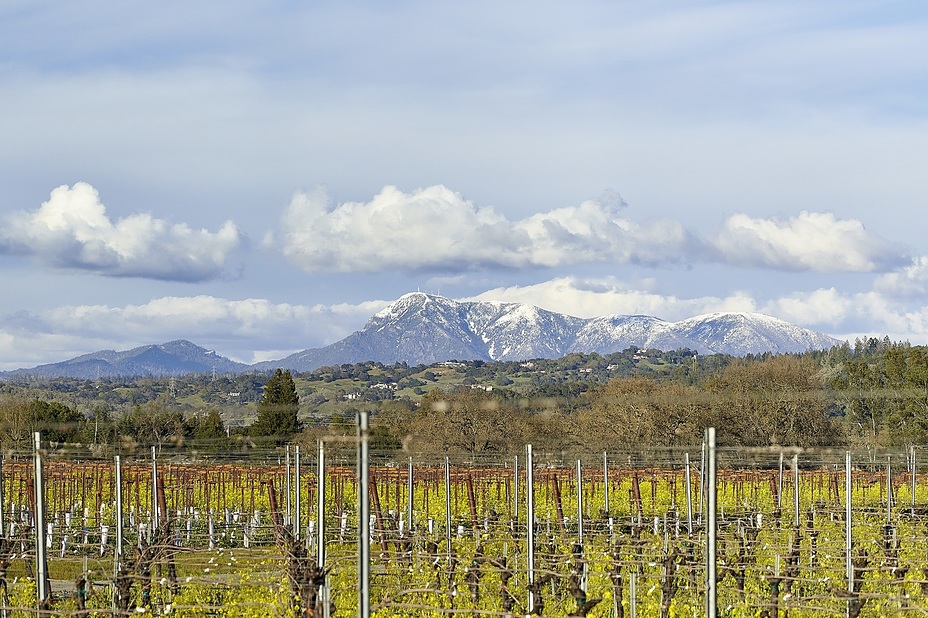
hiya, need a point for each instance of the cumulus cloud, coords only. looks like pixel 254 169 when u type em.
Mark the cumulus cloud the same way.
pixel 252 319
pixel 72 231
pixel 843 315
pixel 588 298
pixel 824 307
pixel 247 330
pixel 811 241
pixel 910 281
pixel 593 232
pixel 871 314
pixel 850 315
pixel 436 228
pixel 255 329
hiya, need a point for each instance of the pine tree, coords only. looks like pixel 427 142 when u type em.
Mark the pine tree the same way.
pixel 278 408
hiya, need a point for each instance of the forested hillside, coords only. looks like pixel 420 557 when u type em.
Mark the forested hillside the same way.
pixel 872 394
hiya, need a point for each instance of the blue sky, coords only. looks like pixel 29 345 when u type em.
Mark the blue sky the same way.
pixel 260 177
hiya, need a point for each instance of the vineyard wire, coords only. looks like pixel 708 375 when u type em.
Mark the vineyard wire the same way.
pixel 223 544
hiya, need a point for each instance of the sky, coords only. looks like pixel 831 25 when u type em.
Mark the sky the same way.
pixel 261 176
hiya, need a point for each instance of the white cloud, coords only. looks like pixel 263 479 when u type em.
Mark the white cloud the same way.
pixel 811 241
pixel 436 228
pixel 254 329
pixel 825 307
pixel 246 330
pixel 871 314
pixel 593 232
pixel 588 298
pixel 851 315
pixel 845 316
pixel 72 231
pixel 908 282
pixel 20 348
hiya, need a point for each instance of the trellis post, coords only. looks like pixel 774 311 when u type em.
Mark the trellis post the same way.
pixel 41 560
pixel 155 515
pixel 320 507
pixel 409 495
pixel 448 505
pixel 796 516
pixel 606 482
pixel 848 536
pixel 711 579
pixel 288 518
pixel 297 507
pixel 364 517
pixel 530 525
pixel 689 494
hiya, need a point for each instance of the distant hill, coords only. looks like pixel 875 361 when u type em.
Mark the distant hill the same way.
pixel 424 329
pixel 173 358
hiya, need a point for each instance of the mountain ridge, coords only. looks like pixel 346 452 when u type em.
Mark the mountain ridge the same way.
pixel 177 357
pixel 420 328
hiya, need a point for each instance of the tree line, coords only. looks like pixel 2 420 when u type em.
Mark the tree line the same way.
pixel 870 395
pixel 155 423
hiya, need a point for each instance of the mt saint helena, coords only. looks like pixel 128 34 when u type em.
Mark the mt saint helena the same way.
pixel 424 329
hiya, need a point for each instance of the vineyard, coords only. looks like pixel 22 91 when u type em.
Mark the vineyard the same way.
pixel 615 534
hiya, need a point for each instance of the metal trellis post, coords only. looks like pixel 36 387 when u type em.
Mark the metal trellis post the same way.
pixel 320 507
pixel 448 505
pixel 119 514
pixel 364 518
pixel 288 518
pixel 606 482
pixel 711 580
pixel 515 489
pixel 409 495
pixel 796 520
pixel 848 537
pixel 689 494
pixel 579 504
pixel 155 515
pixel 530 524
pixel 41 560
pixel 297 507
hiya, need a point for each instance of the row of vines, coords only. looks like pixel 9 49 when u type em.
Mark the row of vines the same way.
pixel 610 539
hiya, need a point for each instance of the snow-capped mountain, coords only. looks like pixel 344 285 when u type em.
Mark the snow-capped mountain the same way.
pixel 743 333
pixel 423 328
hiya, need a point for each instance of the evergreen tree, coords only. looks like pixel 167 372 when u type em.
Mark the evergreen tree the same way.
pixel 278 408
pixel 207 427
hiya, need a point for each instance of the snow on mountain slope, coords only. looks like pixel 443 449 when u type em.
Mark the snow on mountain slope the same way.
pixel 514 331
pixel 424 328
pixel 620 332
pixel 739 334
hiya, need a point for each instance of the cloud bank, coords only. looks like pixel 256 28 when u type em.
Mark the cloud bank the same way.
pixel 842 315
pixel 437 229
pixel 72 231
pixel 248 330
pixel 590 298
pixel 811 241
pixel 254 329
pixel 910 282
